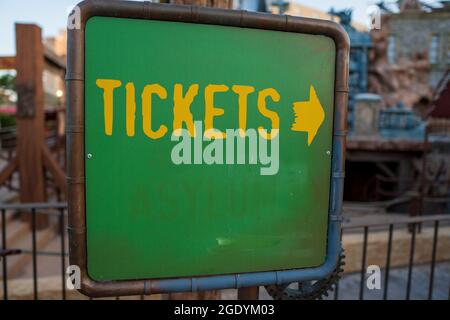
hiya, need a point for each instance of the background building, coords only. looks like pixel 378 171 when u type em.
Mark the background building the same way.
pixel 411 54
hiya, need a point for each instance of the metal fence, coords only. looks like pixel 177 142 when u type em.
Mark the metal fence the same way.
pixel 389 225
pixel 31 211
pixel 414 225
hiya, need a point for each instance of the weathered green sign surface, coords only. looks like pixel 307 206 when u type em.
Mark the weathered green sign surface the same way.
pixel 207 148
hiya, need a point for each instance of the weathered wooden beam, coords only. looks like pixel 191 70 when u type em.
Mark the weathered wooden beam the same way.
pixel 30 115
pixel 52 62
pixel 7 171
pixel 55 169
pixel 7 63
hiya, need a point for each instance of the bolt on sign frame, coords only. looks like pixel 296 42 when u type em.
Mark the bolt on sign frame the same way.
pixel 79 134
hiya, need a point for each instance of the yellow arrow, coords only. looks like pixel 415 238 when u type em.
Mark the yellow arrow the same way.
pixel 309 115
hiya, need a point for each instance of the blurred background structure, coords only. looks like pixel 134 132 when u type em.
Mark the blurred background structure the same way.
pixel 397 186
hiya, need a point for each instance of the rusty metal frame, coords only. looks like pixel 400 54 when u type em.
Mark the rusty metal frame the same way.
pixel 75 142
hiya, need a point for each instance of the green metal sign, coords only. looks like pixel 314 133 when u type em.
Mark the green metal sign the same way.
pixel 207 148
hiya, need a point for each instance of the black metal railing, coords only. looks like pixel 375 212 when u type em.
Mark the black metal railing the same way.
pixel 33 210
pixel 413 225
pixel 387 225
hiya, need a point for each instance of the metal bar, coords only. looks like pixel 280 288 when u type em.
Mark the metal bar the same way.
pixel 388 261
pixel 42 253
pixel 336 291
pixel 363 263
pixel 33 238
pixel 4 263
pixel 40 213
pixel 35 205
pixel 345 225
pixel 411 261
pixel 336 287
pixel 9 252
pixel 433 259
pixel 396 221
pixel 63 253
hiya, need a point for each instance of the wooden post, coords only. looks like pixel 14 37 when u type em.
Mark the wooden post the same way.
pixel 30 115
pixel 224 4
pixel 248 293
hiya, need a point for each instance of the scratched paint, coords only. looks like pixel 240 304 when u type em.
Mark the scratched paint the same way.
pixel 149 218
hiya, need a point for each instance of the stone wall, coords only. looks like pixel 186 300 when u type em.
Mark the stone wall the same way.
pixel 413 31
pixel 411 78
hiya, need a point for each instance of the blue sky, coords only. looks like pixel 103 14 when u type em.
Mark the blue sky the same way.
pixel 51 15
